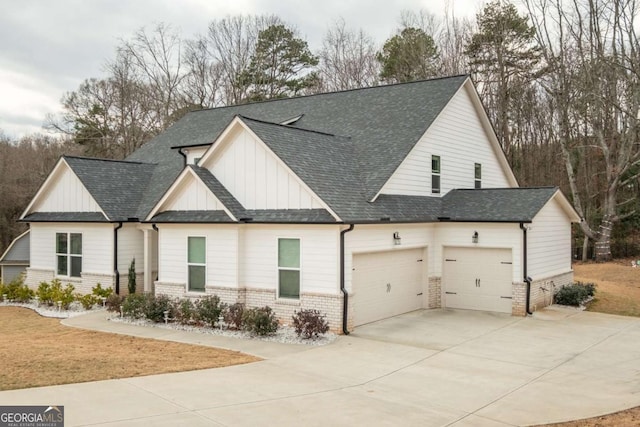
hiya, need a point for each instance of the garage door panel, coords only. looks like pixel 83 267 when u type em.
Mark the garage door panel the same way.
pixel 478 279
pixel 386 284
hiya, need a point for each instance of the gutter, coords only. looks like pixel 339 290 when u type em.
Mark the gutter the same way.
pixel 345 303
pixel 184 156
pixel 527 279
pixel 115 256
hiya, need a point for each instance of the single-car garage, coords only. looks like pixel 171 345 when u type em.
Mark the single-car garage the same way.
pixel 478 278
pixel 387 284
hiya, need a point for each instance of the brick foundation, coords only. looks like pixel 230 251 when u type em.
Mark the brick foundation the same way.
pixel 435 292
pixel 542 292
pixel 35 275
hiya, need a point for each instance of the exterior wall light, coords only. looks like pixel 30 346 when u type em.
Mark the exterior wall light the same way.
pixel 474 238
pixel 397 240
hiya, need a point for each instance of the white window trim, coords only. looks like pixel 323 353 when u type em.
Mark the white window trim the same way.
pixel 438 174
pixel 197 264
pixel 278 268
pixel 68 255
pixel 477 181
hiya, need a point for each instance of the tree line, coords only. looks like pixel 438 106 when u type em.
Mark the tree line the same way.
pixel 559 81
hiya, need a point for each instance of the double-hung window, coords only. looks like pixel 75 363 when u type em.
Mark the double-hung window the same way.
pixel 69 254
pixel 289 268
pixel 478 175
pixel 435 174
pixel 197 263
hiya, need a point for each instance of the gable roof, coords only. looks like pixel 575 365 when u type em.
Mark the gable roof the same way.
pixel 499 204
pixel 18 250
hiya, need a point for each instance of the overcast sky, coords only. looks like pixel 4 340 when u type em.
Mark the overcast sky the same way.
pixel 48 47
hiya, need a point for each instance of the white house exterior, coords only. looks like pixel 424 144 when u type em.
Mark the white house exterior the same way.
pixel 15 259
pixel 363 204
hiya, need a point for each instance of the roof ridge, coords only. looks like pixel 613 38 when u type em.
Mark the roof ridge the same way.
pixel 292 127
pixel 133 162
pixel 333 92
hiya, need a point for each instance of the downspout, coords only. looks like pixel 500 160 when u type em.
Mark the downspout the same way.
pixel 115 256
pixel 345 303
pixel 527 279
pixel 184 156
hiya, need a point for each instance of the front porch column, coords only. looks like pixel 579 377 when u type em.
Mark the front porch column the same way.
pixel 148 260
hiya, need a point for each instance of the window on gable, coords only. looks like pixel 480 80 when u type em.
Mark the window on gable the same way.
pixel 478 175
pixel 435 174
pixel 197 263
pixel 289 268
pixel 69 254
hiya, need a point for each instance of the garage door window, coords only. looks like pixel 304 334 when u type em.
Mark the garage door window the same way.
pixel 289 268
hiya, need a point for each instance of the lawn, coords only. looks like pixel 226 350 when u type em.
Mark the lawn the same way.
pixel 38 351
pixel 617 292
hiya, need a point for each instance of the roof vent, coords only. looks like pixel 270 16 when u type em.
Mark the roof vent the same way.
pixel 292 120
pixel 385 218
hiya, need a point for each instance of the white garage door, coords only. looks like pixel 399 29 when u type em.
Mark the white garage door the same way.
pixel 478 279
pixel 387 284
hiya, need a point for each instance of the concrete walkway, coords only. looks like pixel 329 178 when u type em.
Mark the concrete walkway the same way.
pixel 427 368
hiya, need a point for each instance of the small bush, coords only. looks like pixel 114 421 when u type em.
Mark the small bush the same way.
pixel 114 302
pixel 575 294
pixel 17 291
pixel 134 306
pixel 44 293
pixel 155 306
pixel 233 315
pixel 100 292
pixel 184 311
pixel 309 323
pixel 131 282
pixel 260 321
pixel 63 295
pixel 208 310
pixel 87 301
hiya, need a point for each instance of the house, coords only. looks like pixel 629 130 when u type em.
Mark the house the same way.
pixel 363 204
pixel 15 260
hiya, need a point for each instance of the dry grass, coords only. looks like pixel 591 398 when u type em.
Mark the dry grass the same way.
pixel 617 292
pixel 618 286
pixel 38 351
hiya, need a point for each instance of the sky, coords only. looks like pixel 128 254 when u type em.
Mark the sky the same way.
pixel 47 48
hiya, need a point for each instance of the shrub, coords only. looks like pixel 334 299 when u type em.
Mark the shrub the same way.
pixel 183 311
pixel 132 277
pixel 62 295
pixel 575 293
pixel 208 310
pixel 155 306
pixel 17 291
pixel 233 315
pixel 100 292
pixel 260 321
pixel 309 323
pixel 44 293
pixel 134 306
pixel 87 301
pixel 114 302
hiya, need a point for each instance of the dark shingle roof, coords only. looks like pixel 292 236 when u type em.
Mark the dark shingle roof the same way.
pixel 219 191
pixel 192 216
pixel 117 186
pixel 65 217
pixel 495 205
pixel 318 216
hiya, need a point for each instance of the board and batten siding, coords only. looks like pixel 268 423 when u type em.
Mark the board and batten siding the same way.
pixel 256 178
pixel 221 253
pixel 193 195
pixel 376 238
pixel 319 256
pixel 194 153
pixel 97 246
pixel 549 242
pixel 66 194
pixel 130 246
pixel 490 235
pixel 458 137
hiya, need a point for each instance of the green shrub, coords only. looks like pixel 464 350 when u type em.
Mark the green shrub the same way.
pixel 131 284
pixel 52 293
pixel 233 315
pixel 44 293
pixel 260 321
pixel 87 301
pixel 155 306
pixel 100 292
pixel 134 306
pixel 309 323
pixel 183 311
pixel 17 291
pixel 575 294
pixel 208 310
pixel 114 302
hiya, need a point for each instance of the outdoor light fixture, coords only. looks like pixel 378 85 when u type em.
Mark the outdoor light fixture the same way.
pixel 396 238
pixel 474 238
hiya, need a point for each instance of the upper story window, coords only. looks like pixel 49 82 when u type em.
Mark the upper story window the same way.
pixel 197 263
pixel 478 175
pixel 69 254
pixel 289 268
pixel 435 174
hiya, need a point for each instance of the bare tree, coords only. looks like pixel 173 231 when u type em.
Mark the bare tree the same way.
pixel 347 59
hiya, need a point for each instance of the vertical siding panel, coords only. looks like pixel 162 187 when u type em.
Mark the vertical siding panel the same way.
pixel 67 194
pixel 549 242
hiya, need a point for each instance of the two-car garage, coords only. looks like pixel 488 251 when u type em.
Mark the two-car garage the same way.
pixel 390 283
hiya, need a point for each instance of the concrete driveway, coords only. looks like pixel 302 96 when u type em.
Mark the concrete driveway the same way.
pixel 426 368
